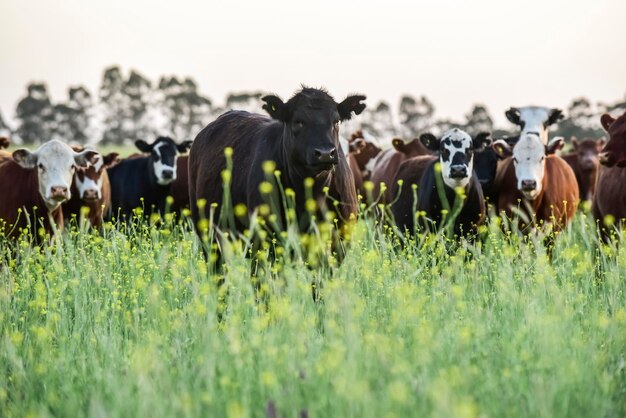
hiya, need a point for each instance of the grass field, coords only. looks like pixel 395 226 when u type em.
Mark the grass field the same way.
pixel 125 325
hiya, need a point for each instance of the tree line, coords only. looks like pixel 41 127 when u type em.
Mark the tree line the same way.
pixel 129 107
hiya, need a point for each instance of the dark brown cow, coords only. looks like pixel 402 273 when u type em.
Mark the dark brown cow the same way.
pixel 33 185
pixel 609 202
pixel 180 187
pixel 386 165
pixel 91 189
pixel 537 182
pixel 301 141
pixel 584 161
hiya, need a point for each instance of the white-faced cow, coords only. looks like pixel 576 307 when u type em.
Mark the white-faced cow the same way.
pixel 446 182
pixel 144 181
pixel 301 139
pixel 534 120
pixel 91 189
pixel 536 181
pixel 38 183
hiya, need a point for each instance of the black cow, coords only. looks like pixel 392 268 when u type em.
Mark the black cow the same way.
pixel 300 140
pixel 453 176
pixel 144 181
pixel 485 167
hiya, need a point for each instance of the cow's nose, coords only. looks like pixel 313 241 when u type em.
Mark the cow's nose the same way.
pixel 90 194
pixel 59 192
pixel 458 171
pixel 167 174
pixel 327 155
pixel 528 185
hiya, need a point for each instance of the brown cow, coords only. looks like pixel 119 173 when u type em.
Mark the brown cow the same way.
pixel 33 185
pixel 364 152
pixel 386 165
pixel 609 202
pixel 91 188
pixel 180 187
pixel 536 182
pixel 584 161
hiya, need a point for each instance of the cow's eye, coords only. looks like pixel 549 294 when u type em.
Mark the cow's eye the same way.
pixel 336 123
pixel 298 124
pixel 73 167
pixel 41 167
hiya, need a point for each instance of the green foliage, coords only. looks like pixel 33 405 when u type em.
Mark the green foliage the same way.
pixel 124 323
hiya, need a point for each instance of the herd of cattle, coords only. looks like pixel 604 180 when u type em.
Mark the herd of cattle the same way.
pixel 297 152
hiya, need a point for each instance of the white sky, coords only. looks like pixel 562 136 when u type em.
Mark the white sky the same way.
pixel 457 53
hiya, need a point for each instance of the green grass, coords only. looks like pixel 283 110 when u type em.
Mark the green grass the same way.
pixel 125 325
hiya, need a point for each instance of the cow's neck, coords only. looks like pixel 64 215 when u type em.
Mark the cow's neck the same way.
pixel 586 182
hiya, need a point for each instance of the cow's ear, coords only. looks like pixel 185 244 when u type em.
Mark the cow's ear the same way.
pixel 430 141
pixel 555 144
pixel 351 104
pixel 275 107
pixel 398 144
pixel 555 116
pixel 25 158
pixel 143 146
pixel 574 142
pixel 513 115
pixel 502 148
pixel 184 146
pixel 606 120
pixel 111 159
pixel 482 141
pixel 86 157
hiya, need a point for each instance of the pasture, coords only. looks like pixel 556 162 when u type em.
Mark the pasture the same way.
pixel 125 323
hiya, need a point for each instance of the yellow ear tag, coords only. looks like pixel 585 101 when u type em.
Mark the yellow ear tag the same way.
pixel 273 108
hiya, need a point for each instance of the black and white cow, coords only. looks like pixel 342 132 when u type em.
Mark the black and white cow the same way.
pixel 534 120
pixel 144 181
pixel 450 174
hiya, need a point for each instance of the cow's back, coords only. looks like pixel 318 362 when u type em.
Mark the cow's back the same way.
pixel 250 138
pixel 385 170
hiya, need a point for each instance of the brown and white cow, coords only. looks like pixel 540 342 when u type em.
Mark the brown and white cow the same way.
pixel 33 185
pixel 360 153
pixel 91 189
pixel 536 182
pixel 584 161
pixel 609 201
pixel 386 165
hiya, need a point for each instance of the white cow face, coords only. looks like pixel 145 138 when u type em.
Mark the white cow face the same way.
pixel 89 180
pixel 456 154
pixel 163 152
pixel 534 120
pixel 529 158
pixel 56 163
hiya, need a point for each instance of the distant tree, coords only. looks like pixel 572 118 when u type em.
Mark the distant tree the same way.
pixel 185 111
pixel 35 115
pixel 113 103
pixel 137 123
pixel 72 118
pixel 416 116
pixel 443 125
pixel 582 121
pixel 250 101
pixel 379 122
pixel 478 120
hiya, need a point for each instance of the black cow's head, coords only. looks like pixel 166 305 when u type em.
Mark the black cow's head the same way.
pixel 163 153
pixel 456 154
pixel 614 151
pixel 311 126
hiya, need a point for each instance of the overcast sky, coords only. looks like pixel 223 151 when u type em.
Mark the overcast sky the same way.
pixel 456 52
